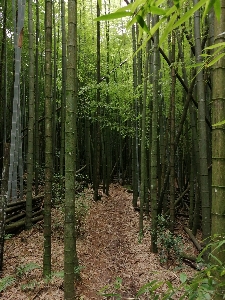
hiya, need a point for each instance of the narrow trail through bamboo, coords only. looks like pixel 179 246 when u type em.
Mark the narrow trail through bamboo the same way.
pixel 108 248
pixel 111 249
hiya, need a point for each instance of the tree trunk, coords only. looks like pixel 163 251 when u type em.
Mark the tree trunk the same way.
pixel 63 96
pixel 16 164
pixel 134 123
pixel 218 140
pixel 37 94
pixel 203 167
pixel 54 90
pixel 144 201
pixel 70 255
pixel 172 135
pixel 2 94
pixel 30 154
pixel 48 140
pixel 97 137
pixel 154 206
pixel 3 201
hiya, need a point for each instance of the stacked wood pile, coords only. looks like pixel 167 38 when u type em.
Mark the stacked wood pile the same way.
pixel 16 213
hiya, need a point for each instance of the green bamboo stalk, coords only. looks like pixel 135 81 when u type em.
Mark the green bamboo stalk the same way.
pixel 70 256
pixel 30 154
pixel 48 140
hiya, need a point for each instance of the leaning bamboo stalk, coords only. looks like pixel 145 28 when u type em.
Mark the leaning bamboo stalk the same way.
pixel 193 238
pixel 179 199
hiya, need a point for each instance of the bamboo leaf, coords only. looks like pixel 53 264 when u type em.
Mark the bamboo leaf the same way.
pixel 115 15
pixel 205 55
pixel 126 8
pixel 140 34
pixel 137 3
pixel 157 11
pixel 170 11
pixel 176 3
pixel 218 57
pixel 156 26
pixel 189 13
pixel 217 9
pixel 142 23
pixel 215 46
pixel 196 65
pixel 167 29
pixel 208 6
pixel 219 123
pixel 219 245
pixel 146 287
pixel 159 2
pixel 183 277
pixel 216 259
pixel 156 286
pixel 132 21
pixel 219 50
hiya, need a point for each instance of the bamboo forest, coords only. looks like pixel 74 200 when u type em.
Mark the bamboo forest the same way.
pixel 112 149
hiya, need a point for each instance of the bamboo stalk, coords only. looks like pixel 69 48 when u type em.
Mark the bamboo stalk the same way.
pixel 193 238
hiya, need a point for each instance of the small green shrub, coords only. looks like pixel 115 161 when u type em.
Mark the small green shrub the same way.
pixel 58 189
pixel 30 286
pixel 151 289
pixel 81 210
pixel 169 245
pixel 6 282
pixel 8 236
pixel 24 269
pixel 60 274
pixel 81 182
pixel 202 286
pixel 112 291
pixel 81 202
pixel 41 174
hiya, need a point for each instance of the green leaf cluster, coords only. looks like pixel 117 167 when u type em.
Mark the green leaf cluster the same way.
pixel 6 282
pixel 140 8
pixel 106 290
pixel 22 270
pixel 169 245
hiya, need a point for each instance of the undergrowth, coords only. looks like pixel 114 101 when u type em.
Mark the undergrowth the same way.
pixel 81 199
pixel 6 282
pixel 20 271
pixel 170 246
pixel 206 284
pixel 81 209
pixel 24 270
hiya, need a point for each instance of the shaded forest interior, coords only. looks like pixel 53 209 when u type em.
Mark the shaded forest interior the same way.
pixel 96 93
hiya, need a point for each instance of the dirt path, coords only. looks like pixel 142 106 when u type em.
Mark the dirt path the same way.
pixel 110 249
pixel 107 249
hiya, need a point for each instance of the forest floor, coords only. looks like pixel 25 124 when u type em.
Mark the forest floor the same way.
pixel 112 258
